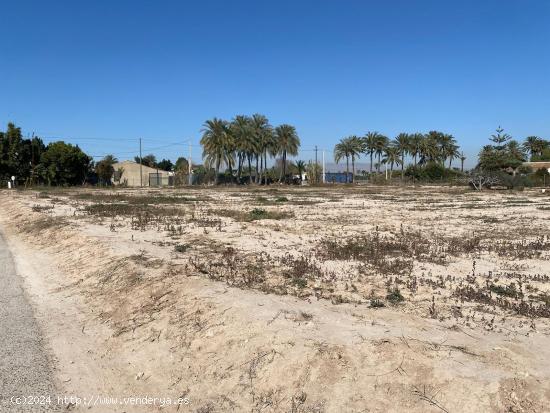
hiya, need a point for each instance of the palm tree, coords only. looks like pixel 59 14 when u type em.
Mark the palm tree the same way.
pixel 382 143
pixel 392 156
pixel 535 145
pixel 402 143
pixel 452 153
pixel 288 143
pixel 218 145
pixel 369 142
pixel 429 150
pixel 262 131
pixel 516 150
pixel 342 150
pixel 301 167
pixel 241 130
pixel 357 147
pixel 415 145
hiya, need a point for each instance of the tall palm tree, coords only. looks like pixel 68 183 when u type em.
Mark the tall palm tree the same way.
pixel 402 143
pixel 356 147
pixel 218 145
pixel 415 145
pixel 382 143
pixel 370 145
pixel 288 143
pixel 451 152
pixel 342 150
pixel 392 156
pixel 241 130
pixel 462 159
pixel 535 145
pixel 516 150
pixel 429 150
pixel 261 129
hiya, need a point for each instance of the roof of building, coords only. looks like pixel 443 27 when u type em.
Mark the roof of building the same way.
pixel 545 164
pixel 129 165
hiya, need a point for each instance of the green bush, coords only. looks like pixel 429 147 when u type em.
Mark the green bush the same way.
pixel 432 171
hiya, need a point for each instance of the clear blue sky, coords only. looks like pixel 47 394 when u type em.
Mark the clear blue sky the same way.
pixel 119 70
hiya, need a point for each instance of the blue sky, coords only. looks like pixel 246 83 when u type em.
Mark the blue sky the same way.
pixel 104 73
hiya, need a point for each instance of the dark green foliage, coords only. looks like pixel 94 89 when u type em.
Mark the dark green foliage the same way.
pixel 544 156
pixel 105 170
pixel 165 165
pixel 148 160
pixel 181 248
pixel 376 303
pixel 64 164
pixel 19 157
pixel 505 153
pixel 394 296
pixel 432 171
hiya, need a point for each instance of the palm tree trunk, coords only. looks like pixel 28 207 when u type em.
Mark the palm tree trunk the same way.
pixel 352 168
pixel 257 170
pixel 240 166
pixel 217 172
pixel 261 155
pixel 371 161
pixel 379 157
pixel 283 168
pixel 249 169
pixel 403 166
pixel 347 169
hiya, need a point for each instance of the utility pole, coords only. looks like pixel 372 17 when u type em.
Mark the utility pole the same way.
pixel 140 165
pixel 316 155
pixel 323 180
pixel 189 163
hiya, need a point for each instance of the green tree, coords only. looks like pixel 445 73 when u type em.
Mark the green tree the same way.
pixel 342 150
pixel 218 145
pixel 349 148
pixel 300 167
pixel 288 143
pixel 245 144
pixel 535 146
pixel 105 170
pixel 382 143
pixel 392 156
pixel 148 160
pixel 505 153
pixel 402 142
pixel 64 164
pixel 416 141
pixel 369 142
pixel 263 138
pixel 165 165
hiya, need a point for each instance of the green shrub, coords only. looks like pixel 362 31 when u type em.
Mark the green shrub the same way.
pixel 394 296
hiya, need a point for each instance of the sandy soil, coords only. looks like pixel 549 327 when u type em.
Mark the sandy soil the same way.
pixel 192 294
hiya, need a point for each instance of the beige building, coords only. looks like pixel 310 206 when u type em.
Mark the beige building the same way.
pixel 538 165
pixel 129 173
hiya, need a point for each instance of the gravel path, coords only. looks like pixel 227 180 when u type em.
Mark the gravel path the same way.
pixel 24 366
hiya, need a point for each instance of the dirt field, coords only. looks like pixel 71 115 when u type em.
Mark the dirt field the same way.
pixel 285 299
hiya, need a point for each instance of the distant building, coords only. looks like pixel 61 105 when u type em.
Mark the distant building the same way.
pixel 129 173
pixel 538 165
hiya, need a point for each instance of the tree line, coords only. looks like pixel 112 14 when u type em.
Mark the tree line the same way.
pixel 32 162
pixel 424 149
pixel 247 142
pixel 245 145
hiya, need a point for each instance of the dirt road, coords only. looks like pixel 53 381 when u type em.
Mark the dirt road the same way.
pixel 24 364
